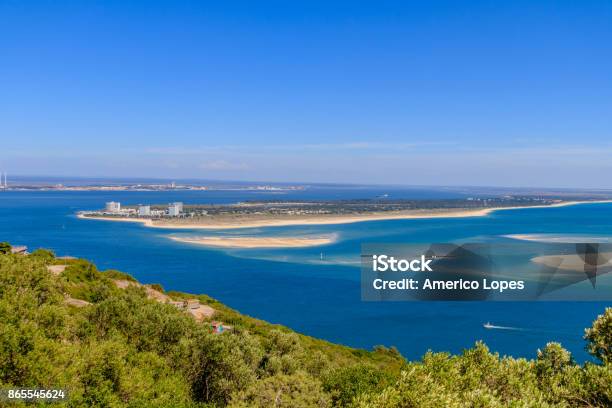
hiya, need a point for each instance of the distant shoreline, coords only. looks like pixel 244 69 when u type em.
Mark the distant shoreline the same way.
pixel 272 221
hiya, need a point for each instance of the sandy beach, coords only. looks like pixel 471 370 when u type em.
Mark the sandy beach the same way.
pixel 559 239
pixel 257 242
pixel 145 221
pixel 236 222
pixel 570 262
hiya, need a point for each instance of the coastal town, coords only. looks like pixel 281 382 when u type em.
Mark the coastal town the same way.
pixel 114 208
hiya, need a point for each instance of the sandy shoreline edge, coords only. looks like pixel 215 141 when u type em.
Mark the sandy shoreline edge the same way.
pixel 333 220
pixel 257 242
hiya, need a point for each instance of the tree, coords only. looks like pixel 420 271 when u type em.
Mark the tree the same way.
pixel 599 337
pixel 344 384
pixel 219 365
pixel 298 390
pixel 553 359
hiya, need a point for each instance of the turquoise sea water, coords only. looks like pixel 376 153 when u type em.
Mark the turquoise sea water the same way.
pixel 294 287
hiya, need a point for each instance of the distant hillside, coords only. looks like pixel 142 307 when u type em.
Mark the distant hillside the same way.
pixel 113 342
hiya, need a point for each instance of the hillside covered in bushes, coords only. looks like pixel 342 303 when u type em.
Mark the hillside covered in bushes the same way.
pixel 111 342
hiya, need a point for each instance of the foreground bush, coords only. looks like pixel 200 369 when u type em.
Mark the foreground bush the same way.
pixel 124 350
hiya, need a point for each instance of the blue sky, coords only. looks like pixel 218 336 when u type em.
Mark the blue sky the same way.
pixel 434 93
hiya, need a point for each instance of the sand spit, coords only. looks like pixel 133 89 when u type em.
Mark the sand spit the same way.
pixel 257 242
pixel 570 262
pixel 280 221
pixel 560 239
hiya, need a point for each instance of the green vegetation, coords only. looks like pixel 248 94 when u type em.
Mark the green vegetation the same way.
pixel 44 253
pixel 123 349
pixel 5 248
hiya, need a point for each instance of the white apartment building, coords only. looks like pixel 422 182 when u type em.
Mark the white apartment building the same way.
pixel 113 206
pixel 175 209
pixel 144 210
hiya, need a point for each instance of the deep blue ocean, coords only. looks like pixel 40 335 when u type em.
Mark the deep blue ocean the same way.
pixel 294 287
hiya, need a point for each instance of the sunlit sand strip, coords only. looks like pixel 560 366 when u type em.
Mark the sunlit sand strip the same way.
pixel 147 222
pixel 257 242
pixel 559 239
pixel 570 262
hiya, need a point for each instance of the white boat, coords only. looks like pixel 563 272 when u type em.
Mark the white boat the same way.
pixel 488 325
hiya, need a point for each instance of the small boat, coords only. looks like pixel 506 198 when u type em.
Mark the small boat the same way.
pixel 488 325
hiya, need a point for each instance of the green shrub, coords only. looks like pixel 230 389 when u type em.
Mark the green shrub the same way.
pixel 599 337
pixel 346 383
pixel 125 350
pixel 45 254
pixel 115 274
pixel 5 248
